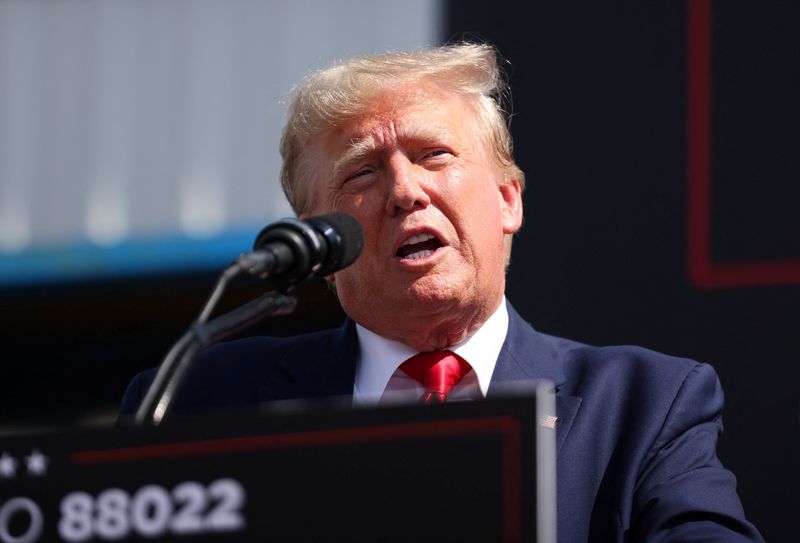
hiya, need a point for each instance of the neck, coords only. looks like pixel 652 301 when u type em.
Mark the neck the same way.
pixel 438 331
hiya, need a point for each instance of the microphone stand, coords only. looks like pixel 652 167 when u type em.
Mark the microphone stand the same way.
pixel 291 250
pixel 202 334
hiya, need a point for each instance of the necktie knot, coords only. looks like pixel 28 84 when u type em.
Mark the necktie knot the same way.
pixel 438 371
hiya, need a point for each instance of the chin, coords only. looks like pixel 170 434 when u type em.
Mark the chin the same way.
pixel 436 296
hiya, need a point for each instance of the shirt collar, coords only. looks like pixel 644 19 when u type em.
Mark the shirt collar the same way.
pixel 379 357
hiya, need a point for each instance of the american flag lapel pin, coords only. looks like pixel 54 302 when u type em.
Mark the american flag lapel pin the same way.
pixel 548 421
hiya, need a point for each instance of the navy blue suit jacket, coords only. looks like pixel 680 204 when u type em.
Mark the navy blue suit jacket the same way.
pixel 636 437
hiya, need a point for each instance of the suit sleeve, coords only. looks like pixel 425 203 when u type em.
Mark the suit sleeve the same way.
pixel 683 492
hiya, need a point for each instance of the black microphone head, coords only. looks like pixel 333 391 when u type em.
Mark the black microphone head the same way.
pixel 345 240
pixel 298 248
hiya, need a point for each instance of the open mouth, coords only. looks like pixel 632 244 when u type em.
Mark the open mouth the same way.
pixel 419 246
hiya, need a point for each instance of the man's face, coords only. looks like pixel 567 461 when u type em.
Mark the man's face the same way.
pixel 434 206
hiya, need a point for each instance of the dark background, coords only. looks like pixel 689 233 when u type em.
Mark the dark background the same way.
pixel 600 128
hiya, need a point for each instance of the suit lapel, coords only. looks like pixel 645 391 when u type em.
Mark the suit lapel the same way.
pixel 528 355
pixel 316 366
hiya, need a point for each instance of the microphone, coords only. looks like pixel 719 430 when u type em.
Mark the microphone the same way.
pixel 292 250
pixel 287 251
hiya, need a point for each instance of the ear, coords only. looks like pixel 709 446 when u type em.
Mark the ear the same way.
pixel 510 205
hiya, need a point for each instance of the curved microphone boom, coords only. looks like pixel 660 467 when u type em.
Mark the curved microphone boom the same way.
pixel 293 250
pixel 287 251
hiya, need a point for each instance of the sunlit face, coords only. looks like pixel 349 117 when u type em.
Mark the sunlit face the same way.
pixel 434 206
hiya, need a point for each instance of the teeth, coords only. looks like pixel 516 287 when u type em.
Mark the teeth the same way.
pixel 419 238
pixel 419 254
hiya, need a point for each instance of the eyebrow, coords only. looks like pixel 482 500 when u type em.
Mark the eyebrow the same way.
pixel 363 146
pixel 356 150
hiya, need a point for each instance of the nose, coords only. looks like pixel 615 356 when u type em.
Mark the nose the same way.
pixel 406 187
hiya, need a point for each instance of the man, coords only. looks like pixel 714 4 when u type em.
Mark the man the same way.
pixel 415 146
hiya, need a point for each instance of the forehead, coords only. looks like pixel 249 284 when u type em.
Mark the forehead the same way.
pixel 416 114
pixel 412 102
pixel 423 111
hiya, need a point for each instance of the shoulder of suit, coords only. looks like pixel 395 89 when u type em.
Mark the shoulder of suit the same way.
pixel 265 349
pixel 620 360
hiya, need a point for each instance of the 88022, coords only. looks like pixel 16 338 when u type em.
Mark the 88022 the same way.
pixel 153 511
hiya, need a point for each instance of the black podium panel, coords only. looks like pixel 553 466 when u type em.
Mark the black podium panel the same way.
pixel 453 472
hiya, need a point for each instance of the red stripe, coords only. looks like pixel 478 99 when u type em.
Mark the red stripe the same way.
pixel 751 274
pixel 703 272
pixel 698 138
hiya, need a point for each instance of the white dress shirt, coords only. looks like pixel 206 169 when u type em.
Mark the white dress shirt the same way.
pixel 379 379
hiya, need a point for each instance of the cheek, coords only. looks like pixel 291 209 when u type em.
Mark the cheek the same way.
pixel 454 181
pixel 351 286
pixel 343 202
pixel 364 206
pixel 365 265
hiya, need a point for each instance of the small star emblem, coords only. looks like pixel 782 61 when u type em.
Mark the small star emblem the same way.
pixel 8 466
pixel 37 463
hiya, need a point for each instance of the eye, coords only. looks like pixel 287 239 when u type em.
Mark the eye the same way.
pixel 361 173
pixel 436 158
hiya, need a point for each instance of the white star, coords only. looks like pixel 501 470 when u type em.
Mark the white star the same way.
pixel 37 463
pixel 8 466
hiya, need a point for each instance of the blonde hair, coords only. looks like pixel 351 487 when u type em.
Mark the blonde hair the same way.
pixel 330 97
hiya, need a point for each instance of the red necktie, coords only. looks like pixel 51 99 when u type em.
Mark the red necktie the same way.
pixel 438 371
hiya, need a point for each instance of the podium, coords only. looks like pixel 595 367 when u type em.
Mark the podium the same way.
pixel 467 471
